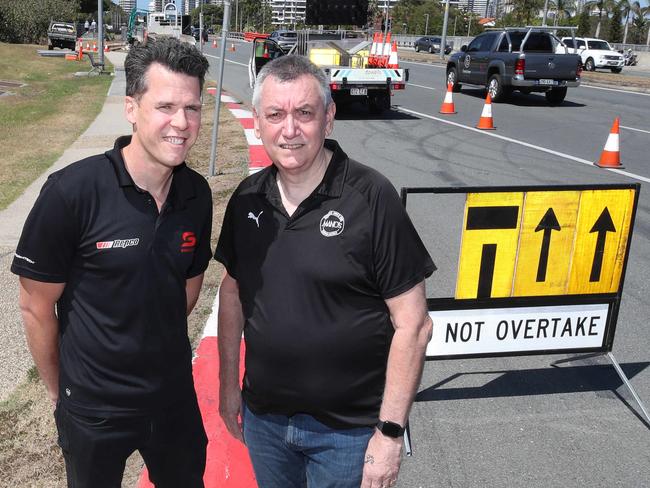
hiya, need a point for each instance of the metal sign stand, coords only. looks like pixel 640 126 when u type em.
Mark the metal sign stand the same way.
pixel 620 372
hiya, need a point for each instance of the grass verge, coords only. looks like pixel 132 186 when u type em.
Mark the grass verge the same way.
pixel 29 455
pixel 39 120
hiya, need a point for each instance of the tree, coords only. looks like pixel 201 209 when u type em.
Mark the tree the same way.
pixel 640 26
pixel 526 10
pixel 212 14
pixel 584 25
pixel 615 26
pixel 563 10
pixel 27 21
pixel 603 6
pixel 628 8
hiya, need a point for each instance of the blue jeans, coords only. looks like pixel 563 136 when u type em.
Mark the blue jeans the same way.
pixel 299 451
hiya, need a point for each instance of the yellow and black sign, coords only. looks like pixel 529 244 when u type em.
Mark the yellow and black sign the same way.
pixel 534 242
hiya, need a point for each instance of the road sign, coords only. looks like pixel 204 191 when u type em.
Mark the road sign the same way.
pixel 540 270
pixel 553 242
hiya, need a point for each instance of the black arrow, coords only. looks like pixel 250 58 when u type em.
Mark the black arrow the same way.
pixel 548 224
pixel 603 225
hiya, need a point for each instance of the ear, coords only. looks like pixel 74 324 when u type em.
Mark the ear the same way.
pixel 256 124
pixel 130 109
pixel 329 116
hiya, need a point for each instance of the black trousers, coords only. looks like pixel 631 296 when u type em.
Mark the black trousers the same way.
pixel 172 443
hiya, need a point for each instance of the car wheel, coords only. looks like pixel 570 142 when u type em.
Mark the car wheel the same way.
pixel 589 65
pixel 452 79
pixel 417 48
pixel 556 95
pixel 431 49
pixel 617 70
pixel 495 88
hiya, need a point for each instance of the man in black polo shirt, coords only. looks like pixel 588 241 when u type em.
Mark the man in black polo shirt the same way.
pixel 111 261
pixel 325 277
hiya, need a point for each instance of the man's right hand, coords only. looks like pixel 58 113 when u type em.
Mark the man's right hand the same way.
pixel 230 404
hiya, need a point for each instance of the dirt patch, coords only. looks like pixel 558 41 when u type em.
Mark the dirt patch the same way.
pixel 29 456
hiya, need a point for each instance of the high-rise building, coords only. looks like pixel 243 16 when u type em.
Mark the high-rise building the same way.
pixel 288 12
pixel 190 5
pixel 127 5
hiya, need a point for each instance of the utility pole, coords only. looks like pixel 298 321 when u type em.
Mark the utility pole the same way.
pixel 443 41
pixel 201 27
pixel 100 31
pixel 426 25
pixel 217 99
pixel 545 13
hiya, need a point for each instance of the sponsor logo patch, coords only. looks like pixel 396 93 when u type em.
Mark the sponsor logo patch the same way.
pixel 332 224
pixel 189 242
pixel 117 243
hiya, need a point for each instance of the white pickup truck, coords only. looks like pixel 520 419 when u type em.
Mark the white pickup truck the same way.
pixel 595 53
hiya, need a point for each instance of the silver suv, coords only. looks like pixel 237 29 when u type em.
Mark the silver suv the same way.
pixel 286 39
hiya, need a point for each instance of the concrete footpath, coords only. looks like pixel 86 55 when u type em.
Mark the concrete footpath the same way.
pixel 15 359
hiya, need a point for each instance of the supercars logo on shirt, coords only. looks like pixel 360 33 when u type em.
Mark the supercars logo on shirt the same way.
pixel 118 243
pixel 189 242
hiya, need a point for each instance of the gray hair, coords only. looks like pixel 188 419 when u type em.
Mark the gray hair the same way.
pixel 290 68
pixel 171 53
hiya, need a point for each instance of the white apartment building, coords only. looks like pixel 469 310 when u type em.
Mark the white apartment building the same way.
pixel 127 5
pixel 287 12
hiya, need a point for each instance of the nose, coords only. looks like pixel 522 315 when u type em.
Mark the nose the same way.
pixel 179 119
pixel 290 127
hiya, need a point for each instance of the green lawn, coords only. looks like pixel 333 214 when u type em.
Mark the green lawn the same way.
pixel 41 119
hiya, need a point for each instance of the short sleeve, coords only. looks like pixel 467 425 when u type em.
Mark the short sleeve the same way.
pixel 203 251
pixel 400 258
pixel 49 239
pixel 225 252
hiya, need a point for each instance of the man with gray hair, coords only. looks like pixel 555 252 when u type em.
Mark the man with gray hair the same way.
pixel 111 262
pixel 325 277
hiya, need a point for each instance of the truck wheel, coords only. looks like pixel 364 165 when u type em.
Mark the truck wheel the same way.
pixel 617 70
pixel 49 46
pixel 556 95
pixel 452 79
pixel 378 103
pixel 430 49
pixel 495 88
pixel 417 48
pixel 589 65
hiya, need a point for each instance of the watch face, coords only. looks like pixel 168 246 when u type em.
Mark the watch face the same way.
pixel 390 429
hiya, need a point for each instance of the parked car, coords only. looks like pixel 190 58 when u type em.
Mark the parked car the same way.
pixel 595 53
pixel 286 39
pixel 196 32
pixel 431 44
pixel 63 35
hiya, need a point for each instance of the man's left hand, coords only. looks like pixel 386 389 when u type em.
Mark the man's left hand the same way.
pixel 382 461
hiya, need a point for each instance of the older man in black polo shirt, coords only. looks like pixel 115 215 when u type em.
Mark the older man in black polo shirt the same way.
pixel 111 261
pixel 325 277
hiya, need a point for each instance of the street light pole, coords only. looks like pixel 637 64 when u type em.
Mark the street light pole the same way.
pixel 426 25
pixel 201 27
pixel 545 13
pixel 443 41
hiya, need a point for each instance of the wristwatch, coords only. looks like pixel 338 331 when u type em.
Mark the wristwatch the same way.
pixel 390 429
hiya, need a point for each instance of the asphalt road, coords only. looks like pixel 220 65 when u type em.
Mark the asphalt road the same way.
pixel 513 421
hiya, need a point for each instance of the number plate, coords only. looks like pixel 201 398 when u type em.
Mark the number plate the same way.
pixel 358 91
pixel 547 82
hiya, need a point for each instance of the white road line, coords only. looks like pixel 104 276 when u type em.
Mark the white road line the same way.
pixel 420 86
pixel 522 143
pixel 615 90
pixel 227 60
pixel 424 64
pixel 632 128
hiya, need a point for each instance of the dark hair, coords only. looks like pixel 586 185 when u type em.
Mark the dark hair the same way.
pixel 177 56
pixel 290 68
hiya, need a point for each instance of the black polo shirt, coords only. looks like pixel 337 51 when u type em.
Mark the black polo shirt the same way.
pixel 123 339
pixel 313 288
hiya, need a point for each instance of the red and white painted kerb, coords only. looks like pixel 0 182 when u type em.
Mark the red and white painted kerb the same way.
pixel 228 464
pixel 257 157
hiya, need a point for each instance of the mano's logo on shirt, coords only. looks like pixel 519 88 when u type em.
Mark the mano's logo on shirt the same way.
pixel 332 224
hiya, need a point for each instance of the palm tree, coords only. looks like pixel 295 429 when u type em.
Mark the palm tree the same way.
pixel 602 6
pixel 563 9
pixel 628 8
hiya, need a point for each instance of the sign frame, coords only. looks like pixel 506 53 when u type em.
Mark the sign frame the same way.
pixel 613 300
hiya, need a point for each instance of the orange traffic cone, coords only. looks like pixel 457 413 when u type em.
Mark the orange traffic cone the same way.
pixel 385 52
pixel 448 105
pixel 106 49
pixel 393 63
pixel 214 43
pixel 232 47
pixel 87 46
pixel 80 51
pixel 611 155
pixel 94 47
pixel 372 57
pixel 485 122
pixel 265 55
